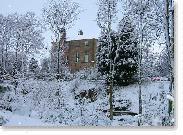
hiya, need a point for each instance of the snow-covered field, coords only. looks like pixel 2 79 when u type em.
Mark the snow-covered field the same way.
pixel 18 120
pixel 154 101
pixel 81 103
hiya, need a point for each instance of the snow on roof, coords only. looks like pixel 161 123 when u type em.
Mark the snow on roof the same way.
pixel 80 37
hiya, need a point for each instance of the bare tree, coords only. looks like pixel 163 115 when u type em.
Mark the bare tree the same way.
pixel 5 39
pixel 154 21
pixel 27 36
pixel 19 34
pixel 2 43
pixel 169 39
pixel 106 16
pixel 145 14
pixel 60 16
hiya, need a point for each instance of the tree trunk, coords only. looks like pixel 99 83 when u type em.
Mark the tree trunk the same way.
pixel 16 61
pixel 6 58
pixel 23 67
pixel 2 61
pixel 16 57
pixel 169 48
pixel 61 42
pixel 140 65
pixel 58 60
pixel 111 99
pixel 111 77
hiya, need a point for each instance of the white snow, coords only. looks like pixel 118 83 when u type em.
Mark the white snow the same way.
pixel 17 120
pixel 41 105
pixel 80 37
pixel 170 97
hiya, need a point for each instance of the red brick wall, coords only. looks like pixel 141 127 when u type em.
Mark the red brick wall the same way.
pixel 80 47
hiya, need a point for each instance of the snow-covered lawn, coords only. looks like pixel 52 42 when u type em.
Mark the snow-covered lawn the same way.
pixel 54 103
pixel 152 93
pixel 154 102
pixel 12 119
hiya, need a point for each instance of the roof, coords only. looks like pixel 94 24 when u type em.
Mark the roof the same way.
pixel 80 37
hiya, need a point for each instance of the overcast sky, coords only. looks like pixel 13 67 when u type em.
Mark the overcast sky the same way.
pixel 86 22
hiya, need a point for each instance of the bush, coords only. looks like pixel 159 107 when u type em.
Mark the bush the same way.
pixel 2 120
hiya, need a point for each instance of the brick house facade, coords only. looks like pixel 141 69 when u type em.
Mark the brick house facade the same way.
pixel 80 54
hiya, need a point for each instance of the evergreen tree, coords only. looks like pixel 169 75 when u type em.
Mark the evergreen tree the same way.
pixel 33 65
pixel 124 54
pixel 45 65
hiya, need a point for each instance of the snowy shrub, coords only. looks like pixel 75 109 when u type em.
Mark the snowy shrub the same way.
pixel 89 74
pixel 3 121
pixel 161 85
pixel 168 120
pixel 155 105
pixel 6 101
pixel 55 102
pixel 33 66
pixel 52 101
pixel 123 105
pixel 2 89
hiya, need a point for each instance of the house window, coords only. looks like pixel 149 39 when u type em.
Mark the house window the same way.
pixel 86 43
pixel 77 57
pixel 86 57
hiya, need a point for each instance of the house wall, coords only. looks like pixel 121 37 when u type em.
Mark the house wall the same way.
pixel 79 46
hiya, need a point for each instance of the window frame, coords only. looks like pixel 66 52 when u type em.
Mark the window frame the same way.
pixel 86 57
pixel 86 43
pixel 77 57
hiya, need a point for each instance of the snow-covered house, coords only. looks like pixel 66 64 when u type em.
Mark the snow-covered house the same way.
pixel 79 52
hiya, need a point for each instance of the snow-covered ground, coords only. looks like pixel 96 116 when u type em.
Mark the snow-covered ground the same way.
pixel 12 119
pixel 154 102
pixel 54 103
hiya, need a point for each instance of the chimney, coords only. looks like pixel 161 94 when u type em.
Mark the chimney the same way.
pixel 80 32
